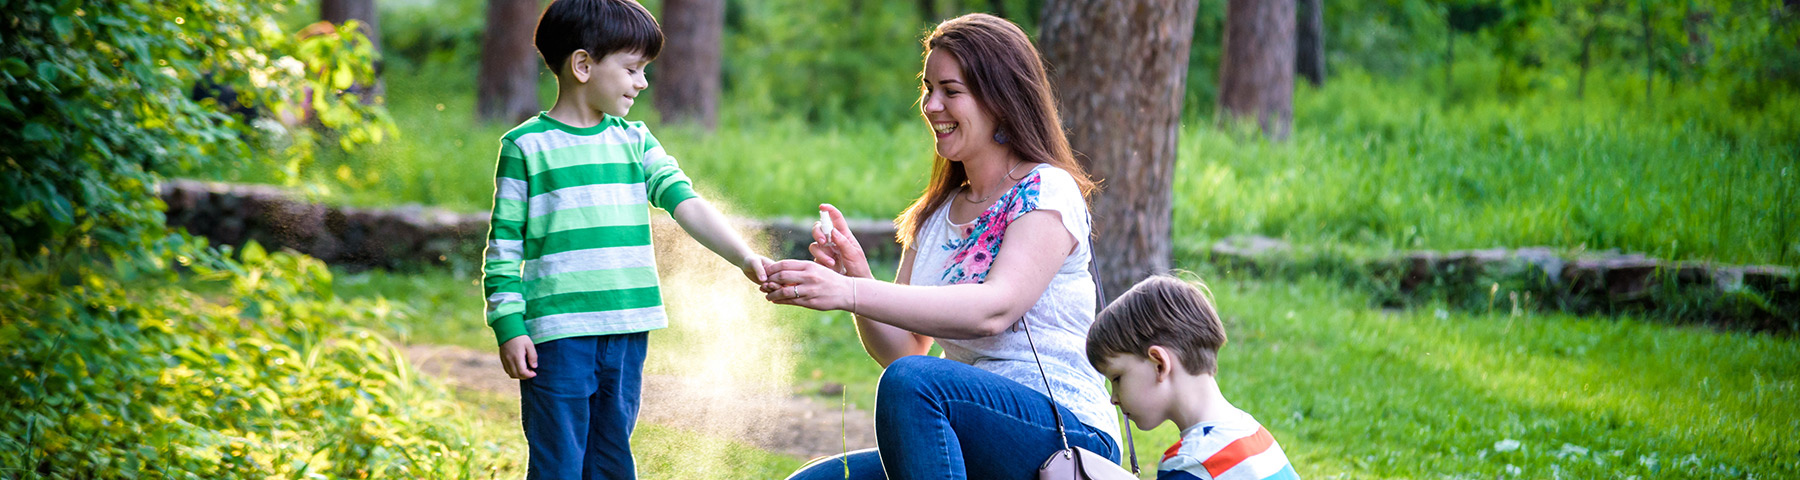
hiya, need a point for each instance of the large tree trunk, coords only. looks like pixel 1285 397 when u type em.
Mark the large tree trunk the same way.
pixel 687 76
pixel 1119 73
pixel 1309 56
pixel 506 90
pixel 1256 72
pixel 339 11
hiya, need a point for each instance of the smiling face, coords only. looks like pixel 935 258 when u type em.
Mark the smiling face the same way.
pixel 1141 388
pixel 963 128
pixel 613 82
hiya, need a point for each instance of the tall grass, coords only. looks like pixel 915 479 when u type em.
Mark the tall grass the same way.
pixel 1386 164
pixel 1375 163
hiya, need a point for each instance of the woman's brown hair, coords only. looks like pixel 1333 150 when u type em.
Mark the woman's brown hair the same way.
pixel 1006 75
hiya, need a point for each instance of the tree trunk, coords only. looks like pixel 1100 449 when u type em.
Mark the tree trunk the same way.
pixel 338 11
pixel 506 90
pixel 1587 43
pixel 998 8
pixel 1309 58
pixel 1119 73
pixel 1256 71
pixel 1649 52
pixel 928 10
pixel 687 76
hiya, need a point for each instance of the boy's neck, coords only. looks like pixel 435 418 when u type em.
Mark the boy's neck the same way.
pixel 570 109
pixel 1198 400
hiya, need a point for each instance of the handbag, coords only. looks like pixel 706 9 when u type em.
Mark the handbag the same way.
pixel 1076 463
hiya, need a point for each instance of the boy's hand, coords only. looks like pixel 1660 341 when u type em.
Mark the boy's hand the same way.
pixel 756 268
pixel 519 357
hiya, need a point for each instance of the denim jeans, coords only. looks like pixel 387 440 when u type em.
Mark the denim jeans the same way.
pixel 943 419
pixel 580 409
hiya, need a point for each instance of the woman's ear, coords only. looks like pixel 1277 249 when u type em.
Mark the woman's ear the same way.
pixel 581 65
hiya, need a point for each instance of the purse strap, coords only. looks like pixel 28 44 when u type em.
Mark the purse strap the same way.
pixel 1056 411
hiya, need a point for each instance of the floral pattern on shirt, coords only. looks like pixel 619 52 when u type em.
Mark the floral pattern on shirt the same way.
pixel 973 254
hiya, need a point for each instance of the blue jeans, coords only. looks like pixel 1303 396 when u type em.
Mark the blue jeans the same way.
pixel 580 409
pixel 943 419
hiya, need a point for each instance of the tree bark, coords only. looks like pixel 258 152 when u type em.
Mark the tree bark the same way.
pixel 1256 71
pixel 339 11
pixel 687 77
pixel 1309 58
pixel 1119 72
pixel 507 89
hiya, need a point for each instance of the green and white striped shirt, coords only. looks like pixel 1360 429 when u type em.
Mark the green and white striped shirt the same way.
pixel 569 253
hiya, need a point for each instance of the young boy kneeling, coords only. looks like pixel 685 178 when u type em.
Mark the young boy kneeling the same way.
pixel 1158 344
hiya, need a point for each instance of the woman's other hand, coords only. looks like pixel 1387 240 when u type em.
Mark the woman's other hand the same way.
pixel 810 285
pixel 834 247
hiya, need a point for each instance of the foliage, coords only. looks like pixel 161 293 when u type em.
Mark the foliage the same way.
pixel 119 372
pixel 102 96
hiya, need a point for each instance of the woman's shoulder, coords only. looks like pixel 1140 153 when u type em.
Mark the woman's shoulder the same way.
pixel 1054 180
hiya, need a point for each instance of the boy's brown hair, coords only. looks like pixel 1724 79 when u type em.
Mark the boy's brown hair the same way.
pixel 602 27
pixel 1165 311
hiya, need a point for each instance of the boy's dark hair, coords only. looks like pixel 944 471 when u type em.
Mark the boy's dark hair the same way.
pixel 1165 311
pixel 602 27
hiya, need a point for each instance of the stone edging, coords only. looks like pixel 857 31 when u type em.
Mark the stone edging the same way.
pixel 231 214
pixel 1754 297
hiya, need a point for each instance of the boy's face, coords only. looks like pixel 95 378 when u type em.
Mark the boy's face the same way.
pixel 1140 387
pixel 612 83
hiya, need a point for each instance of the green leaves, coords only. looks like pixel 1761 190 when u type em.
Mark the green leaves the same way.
pixel 112 379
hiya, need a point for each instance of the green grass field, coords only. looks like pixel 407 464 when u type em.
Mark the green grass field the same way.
pixel 1372 164
pixel 1357 391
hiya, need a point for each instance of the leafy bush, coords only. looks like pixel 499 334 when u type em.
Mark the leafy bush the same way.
pixel 102 96
pixel 119 372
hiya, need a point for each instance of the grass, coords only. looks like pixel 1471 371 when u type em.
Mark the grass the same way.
pixel 1372 163
pixel 1351 390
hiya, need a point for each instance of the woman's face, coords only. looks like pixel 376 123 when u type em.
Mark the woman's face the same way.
pixel 962 127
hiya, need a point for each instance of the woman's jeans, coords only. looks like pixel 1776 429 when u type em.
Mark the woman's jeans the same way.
pixel 943 419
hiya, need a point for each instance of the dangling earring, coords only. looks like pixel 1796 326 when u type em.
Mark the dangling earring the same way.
pixel 999 137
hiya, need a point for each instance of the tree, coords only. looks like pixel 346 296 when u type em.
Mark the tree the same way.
pixel 687 78
pixel 1119 73
pixel 1256 73
pixel 506 90
pixel 363 11
pixel 1309 58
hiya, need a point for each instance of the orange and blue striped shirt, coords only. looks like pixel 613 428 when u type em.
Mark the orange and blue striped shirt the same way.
pixel 1238 448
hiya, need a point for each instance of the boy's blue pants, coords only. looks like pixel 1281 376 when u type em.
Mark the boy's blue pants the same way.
pixel 581 407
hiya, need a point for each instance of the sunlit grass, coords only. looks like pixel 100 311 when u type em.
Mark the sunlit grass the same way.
pixel 1350 389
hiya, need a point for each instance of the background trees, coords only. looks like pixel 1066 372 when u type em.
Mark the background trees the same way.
pixel 1119 72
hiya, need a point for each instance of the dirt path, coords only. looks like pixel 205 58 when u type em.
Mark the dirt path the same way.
pixel 797 425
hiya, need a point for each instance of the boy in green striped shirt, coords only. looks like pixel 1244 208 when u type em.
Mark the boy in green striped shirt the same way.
pixel 570 273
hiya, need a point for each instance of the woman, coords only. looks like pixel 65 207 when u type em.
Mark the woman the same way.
pixel 998 238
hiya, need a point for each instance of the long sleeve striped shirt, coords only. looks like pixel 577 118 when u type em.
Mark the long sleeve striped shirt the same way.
pixel 569 251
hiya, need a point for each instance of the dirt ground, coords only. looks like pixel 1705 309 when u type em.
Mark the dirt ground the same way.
pixel 799 425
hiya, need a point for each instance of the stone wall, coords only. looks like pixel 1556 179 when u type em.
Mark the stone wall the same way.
pixel 231 214
pixel 1754 297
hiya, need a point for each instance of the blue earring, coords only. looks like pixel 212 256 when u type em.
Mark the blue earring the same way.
pixel 1000 137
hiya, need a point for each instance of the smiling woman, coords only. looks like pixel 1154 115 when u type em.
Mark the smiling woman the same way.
pixel 998 239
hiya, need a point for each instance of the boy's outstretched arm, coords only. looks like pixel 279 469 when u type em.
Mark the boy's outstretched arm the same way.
pixel 712 229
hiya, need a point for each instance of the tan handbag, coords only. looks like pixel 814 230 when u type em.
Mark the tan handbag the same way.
pixel 1076 463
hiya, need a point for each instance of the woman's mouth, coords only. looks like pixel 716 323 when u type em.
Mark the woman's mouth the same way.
pixel 943 129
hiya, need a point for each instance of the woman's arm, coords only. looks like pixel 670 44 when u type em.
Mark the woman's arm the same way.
pixel 1036 245
pixel 887 343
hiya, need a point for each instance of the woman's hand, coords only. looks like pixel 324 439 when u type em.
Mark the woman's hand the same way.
pixel 810 285
pixel 834 247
